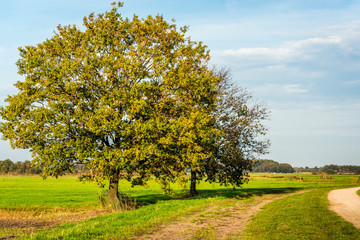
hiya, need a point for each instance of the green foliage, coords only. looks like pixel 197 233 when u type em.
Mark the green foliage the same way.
pixel 6 166
pixel 121 96
pixel 239 119
pixel 124 96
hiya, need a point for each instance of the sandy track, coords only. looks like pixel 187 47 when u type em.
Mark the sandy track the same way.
pixel 346 203
pixel 235 220
pixel 224 221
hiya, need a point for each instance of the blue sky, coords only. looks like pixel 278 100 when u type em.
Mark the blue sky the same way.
pixel 300 58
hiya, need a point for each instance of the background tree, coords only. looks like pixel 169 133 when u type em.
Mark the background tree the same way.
pixel 240 120
pixel 121 96
pixel 9 167
pixel 285 168
pixel 6 166
pixel 266 165
pixel 258 162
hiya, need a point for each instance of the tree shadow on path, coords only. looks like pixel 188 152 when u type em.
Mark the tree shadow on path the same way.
pixel 214 193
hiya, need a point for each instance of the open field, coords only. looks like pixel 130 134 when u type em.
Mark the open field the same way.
pixel 58 208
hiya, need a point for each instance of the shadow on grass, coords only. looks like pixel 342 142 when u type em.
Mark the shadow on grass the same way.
pixel 214 193
pixel 243 193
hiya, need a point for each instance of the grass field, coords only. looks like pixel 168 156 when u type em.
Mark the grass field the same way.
pixel 49 202
pixel 304 216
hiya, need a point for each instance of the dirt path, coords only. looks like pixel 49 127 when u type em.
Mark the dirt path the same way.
pixel 346 203
pixel 221 221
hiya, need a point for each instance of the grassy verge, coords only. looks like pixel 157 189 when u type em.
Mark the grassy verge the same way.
pixel 304 216
pixel 125 225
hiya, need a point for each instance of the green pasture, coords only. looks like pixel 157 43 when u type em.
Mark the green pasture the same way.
pixel 29 193
pixel 33 192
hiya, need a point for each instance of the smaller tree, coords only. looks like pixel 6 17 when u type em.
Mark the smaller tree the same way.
pixel 266 165
pixel 239 119
pixel 285 168
pixel 6 166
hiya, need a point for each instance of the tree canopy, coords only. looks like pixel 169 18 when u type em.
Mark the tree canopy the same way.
pixel 131 98
pixel 240 120
pixel 121 96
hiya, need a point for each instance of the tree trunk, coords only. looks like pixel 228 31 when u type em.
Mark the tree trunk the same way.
pixel 113 193
pixel 193 179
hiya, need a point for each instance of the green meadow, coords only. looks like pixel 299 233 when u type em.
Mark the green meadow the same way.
pixel 301 216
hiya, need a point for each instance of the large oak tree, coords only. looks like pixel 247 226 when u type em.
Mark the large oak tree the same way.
pixel 120 95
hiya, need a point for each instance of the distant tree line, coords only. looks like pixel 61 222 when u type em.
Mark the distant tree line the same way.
pixel 259 165
pixel 267 165
pixel 9 167
pixel 331 169
pixel 26 167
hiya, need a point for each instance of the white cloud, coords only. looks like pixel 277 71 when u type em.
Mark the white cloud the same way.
pixel 277 54
pixel 348 32
pixel 283 91
pixel 289 52
pixel 318 41
pixel 314 68
pixel 331 46
pixel 294 88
